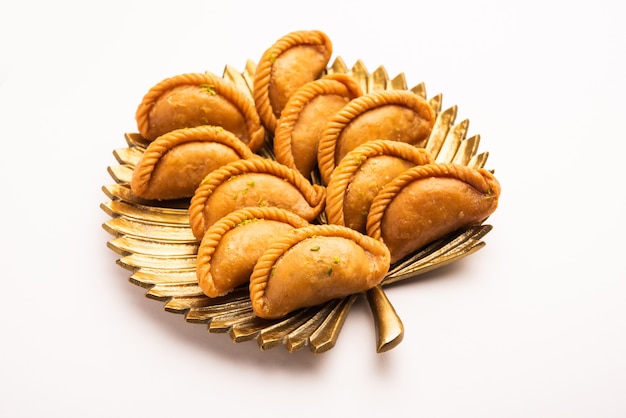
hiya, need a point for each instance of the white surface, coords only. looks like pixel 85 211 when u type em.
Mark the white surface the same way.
pixel 533 325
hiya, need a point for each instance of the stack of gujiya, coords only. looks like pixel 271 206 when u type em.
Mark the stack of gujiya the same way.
pixel 381 195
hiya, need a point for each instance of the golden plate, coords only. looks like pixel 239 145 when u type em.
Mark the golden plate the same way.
pixel 156 244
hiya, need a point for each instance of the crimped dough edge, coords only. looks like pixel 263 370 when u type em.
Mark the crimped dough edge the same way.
pixel 358 106
pixel 212 237
pixel 349 166
pixel 263 74
pixel 263 269
pixel 480 179
pixel 332 84
pixel 314 194
pixel 156 149
pixel 228 90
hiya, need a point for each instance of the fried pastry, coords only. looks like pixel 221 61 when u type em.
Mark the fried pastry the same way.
pixel 315 264
pixel 304 117
pixel 362 173
pixel 292 61
pixel 174 164
pixel 195 99
pixel 253 182
pixel 397 115
pixel 427 202
pixel 231 247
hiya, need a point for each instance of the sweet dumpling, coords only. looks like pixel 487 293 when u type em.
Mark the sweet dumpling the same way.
pixel 362 173
pixel 427 202
pixel 397 115
pixel 315 264
pixel 292 61
pixel 253 182
pixel 195 99
pixel 174 164
pixel 231 247
pixel 304 118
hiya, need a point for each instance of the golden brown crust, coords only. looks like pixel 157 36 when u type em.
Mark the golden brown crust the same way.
pixel 362 173
pixel 230 247
pixel 253 182
pixel 194 99
pixel 427 202
pixel 398 115
pixel 337 261
pixel 304 117
pixel 292 61
pixel 174 164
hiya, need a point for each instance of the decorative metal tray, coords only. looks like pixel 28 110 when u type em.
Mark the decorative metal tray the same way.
pixel 156 244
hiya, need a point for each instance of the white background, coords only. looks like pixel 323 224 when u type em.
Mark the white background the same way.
pixel 533 325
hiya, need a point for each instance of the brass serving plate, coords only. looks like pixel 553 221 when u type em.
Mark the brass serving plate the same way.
pixel 156 244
